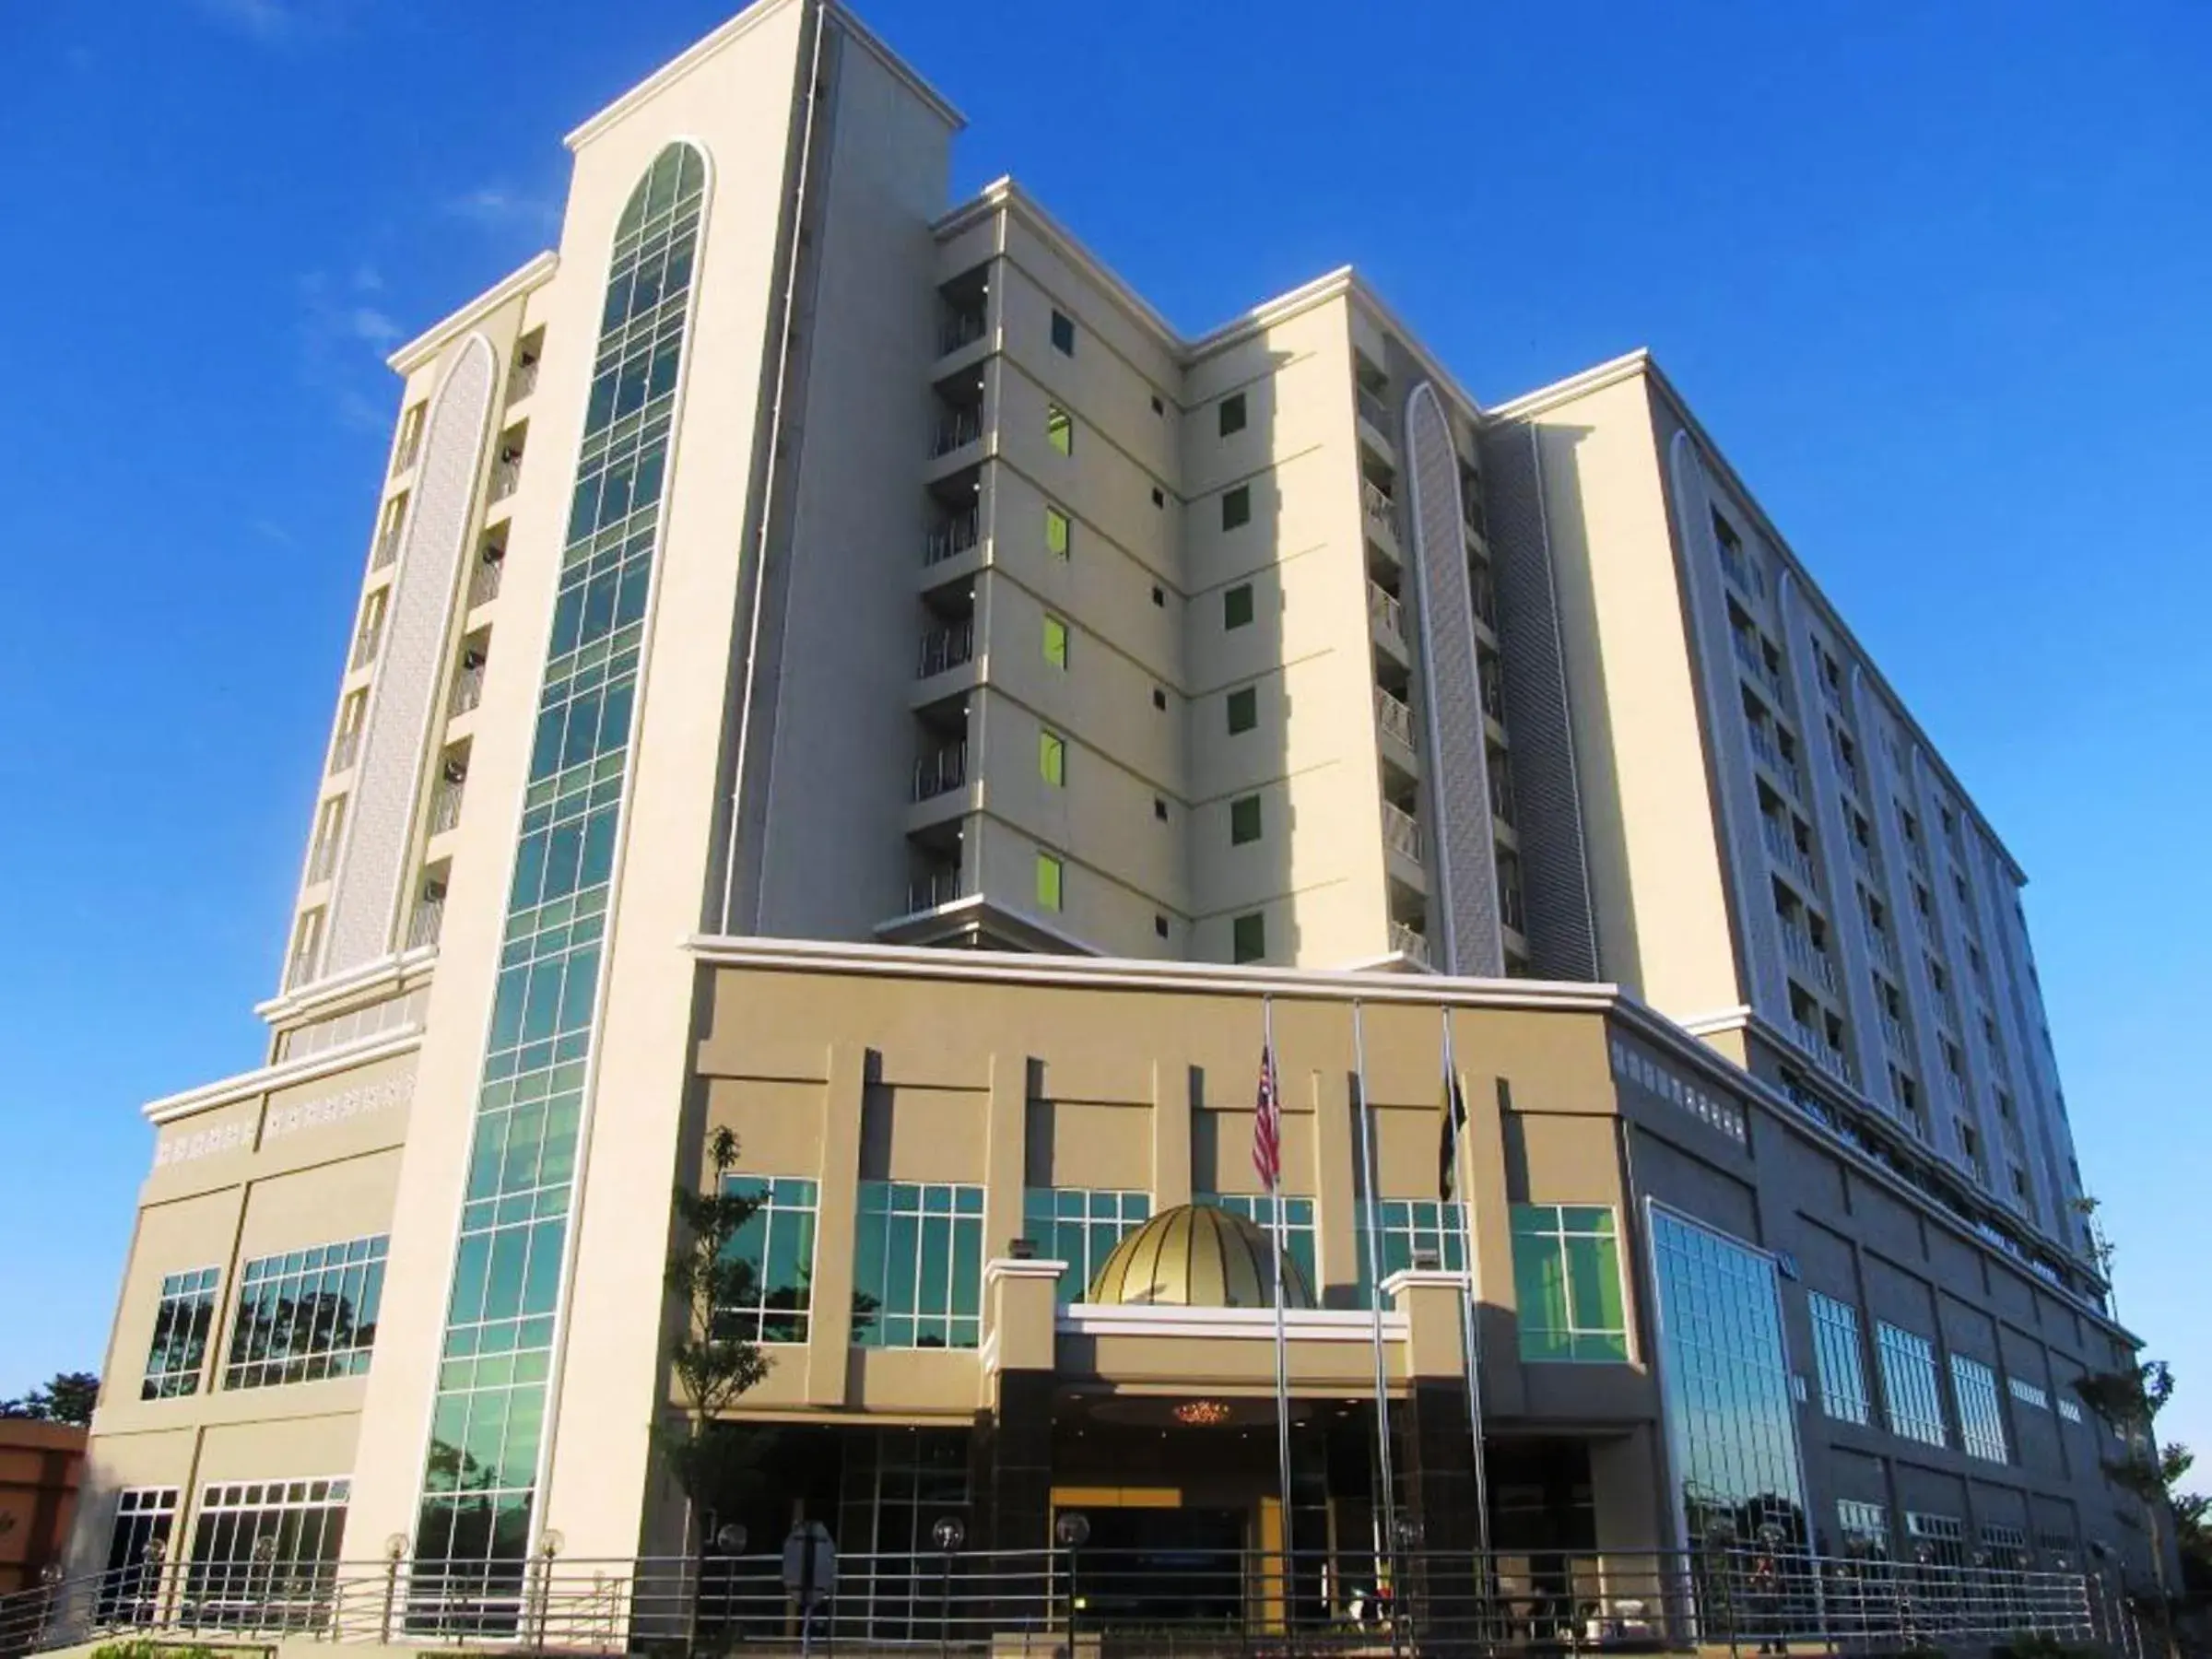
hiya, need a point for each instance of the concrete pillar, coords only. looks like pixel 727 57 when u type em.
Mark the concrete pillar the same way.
pixel 1011 1466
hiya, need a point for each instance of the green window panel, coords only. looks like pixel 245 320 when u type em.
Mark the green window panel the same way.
pixel 1057 532
pixel 1050 875
pixel 1243 820
pixel 1244 706
pixel 1055 643
pixel 918 1266
pixel 777 1243
pixel 1248 937
pixel 1231 413
pixel 1059 429
pixel 183 1319
pixel 307 1314
pixel 1406 1227
pixel 1080 1226
pixel 1299 1237
pixel 1567 1280
pixel 1236 506
pixel 1052 758
pixel 1237 605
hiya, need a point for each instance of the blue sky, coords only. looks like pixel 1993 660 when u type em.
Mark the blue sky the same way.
pixel 1934 276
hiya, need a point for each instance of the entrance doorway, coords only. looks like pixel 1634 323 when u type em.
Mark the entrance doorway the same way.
pixel 1150 1567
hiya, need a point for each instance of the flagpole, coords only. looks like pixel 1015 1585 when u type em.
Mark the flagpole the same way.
pixel 1386 1514
pixel 1274 1082
pixel 1471 1319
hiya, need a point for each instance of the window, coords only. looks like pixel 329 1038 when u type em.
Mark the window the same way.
pixel 1944 1536
pixel 1080 1226
pixel 1064 334
pixel 1981 1418
pixel 1231 411
pixel 2028 1394
pixel 1297 1226
pixel 2069 1409
pixel 1158 497
pixel 1909 1386
pixel 1159 808
pixel 1243 819
pixel 1052 758
pixel 1159 699
pixel 262 1546
pixel 777 1242
pixel 1836 1351
pixel 307 1314
pixel 1236 606
pixel 1567 1280
pixel 1864 1526
pixel 1159 924
pixel 144 1517
pixel 1236 506
pixel 1248 937
pixel 1405 1228
pixel 1050 873
pixel 1055 643
pixel 1243 708
pixel 1059 429
pixel 918 1259
pixel 1055 533
pixel 1157 407
pixel 181 1321
pixel 1160 596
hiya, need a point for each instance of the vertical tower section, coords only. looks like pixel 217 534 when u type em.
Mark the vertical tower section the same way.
pixel 485 1462
pixel 379 819
pixel 1466 853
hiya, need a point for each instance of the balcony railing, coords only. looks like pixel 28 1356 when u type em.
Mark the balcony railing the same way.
pixel 958 328
pixel 506 475
pixel 928 890
pixel 944 769
pixel 952 429
pixel 301 968
pixel 410 445
pixel 1783 845
pixel 446 805
pixel 1893 1033
pixel 1832 695
pixel 1797 945
pixel 1402 831
pixel 343 748
pixel 1373 410
pixel 367 638
pixel 1395 717
pixel 424 924
pixel 1409 942
pixel 1862 856
pixel 1880 944
pixel 468 688
pixel 1754 659
pixel 484 581
pixel 1489 682
pixel 1767 750
pixel 1502 805
pixel 324 858
pixel 1386 613
pixel 946 648
pixel 387 546
pixel 521 379
pixel 951 538
pixel 1380 511
pixel 1484 591
pixel 1742 571
pixel 1955 1085
pixel 1825 1055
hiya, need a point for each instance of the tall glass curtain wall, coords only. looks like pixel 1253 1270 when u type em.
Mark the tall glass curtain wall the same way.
pixel 480 1480
pixel 1725 1379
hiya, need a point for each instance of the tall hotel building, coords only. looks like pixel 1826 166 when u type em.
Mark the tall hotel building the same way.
pixel 838 665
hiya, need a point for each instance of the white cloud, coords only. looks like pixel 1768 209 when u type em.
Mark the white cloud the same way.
pixel 274 22
pixel 342 341
pixel 502 207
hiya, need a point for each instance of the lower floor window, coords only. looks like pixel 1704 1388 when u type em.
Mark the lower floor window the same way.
pixel 1567 1280
pixel 777 1243
pixel 1297 1226
pixel 144 1519
pixel 918 1261
pixel 1405 1231
pixel 307 1314
pixel 1080 1226
pixel 1936 1540
pixel 1865 1527
pixel 262 1544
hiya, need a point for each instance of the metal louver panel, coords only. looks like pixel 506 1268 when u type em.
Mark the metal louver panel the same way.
pixel 380 822
pixel 1548 810
pixel 1465 865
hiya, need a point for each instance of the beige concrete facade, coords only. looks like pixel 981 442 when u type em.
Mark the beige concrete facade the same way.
pixel 1143 676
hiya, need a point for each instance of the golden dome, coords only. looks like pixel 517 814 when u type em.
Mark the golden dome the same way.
pixel 1196 1256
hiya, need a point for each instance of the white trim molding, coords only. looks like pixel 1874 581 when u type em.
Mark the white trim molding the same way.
pixel 225 1091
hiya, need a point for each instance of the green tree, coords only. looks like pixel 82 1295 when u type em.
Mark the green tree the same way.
pixel 708 1455
pixel 67 1399
pixel 2129 1403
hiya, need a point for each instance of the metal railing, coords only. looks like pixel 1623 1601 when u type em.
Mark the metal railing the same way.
pixel 1395 717
pixel 1781 765
pixel 446 805
pixel 409 446
pixel 938 887
pixel 946 648
pixel 387 546
pixel 468 688
pixel 953 429
pixel 1133 1602
pixel 323 858
pixel 1409 942
pixel 1893 1032
pixel 1782 843
pixel 1878 942
pixel 958 328
pixel 1483 591
pixel 941 770
pixel 424 925
pixel 484 581
pixel 1402 831
pixel 1373 410
pixel 1380 511
pixel 1797 945
pixel 951 538
pixel 1742 571
pixel 1386 613
pixel 1754 659
pixel 343 749
pixel 506 476
pixel 366 639
pixel 1826 1054
pixel 521 379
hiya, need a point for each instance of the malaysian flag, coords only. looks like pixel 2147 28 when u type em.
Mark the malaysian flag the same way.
pixel 1267 1124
